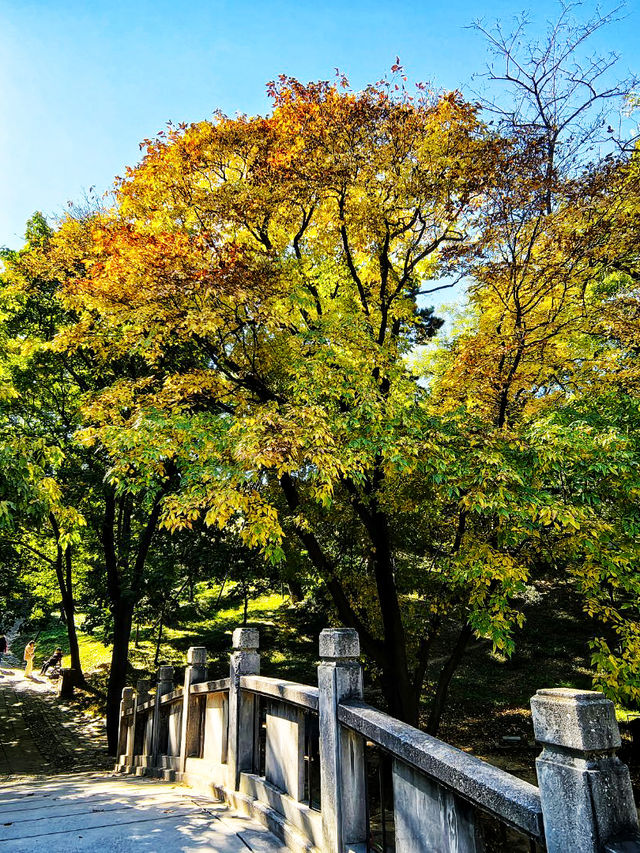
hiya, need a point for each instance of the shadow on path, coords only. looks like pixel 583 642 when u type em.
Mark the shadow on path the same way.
pixel 39 734
pixel 49 803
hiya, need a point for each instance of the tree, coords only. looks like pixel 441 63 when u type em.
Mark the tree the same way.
pixel 49 379
pixel 38 518
pixel 268 272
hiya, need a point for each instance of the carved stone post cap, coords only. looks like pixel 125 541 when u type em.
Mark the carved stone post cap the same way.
pixel 127 694
pixel 165 673
pixel 246 639
pixel 339 644
pixel 197 655
pixel 583 720
pixel 143 685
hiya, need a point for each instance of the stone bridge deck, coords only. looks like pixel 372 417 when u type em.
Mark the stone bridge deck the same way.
pixel 78 813
pixel 44 810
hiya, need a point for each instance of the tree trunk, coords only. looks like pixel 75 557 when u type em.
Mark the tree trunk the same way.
pixel 396 678
pixel 122 622
pixel 444 681
pixel 72 634
pixel 295 590
pixel 63 567
pixel 124 585
pixel 156 657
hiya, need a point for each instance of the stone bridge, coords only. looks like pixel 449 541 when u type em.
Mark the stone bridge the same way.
pixel 256 763
pixel 298 760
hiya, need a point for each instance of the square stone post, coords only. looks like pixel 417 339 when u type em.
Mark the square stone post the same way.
pixel 142 696
pixel 143 687
pixel 164 686
pixel 245 660
pixel 125 741
pixel 342 762
pixel 195 673
pixel 585 790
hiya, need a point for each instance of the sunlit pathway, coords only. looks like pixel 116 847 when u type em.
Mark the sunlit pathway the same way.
pixel 42 809
pixel 18 751
pixel 108 813
pixel 41 734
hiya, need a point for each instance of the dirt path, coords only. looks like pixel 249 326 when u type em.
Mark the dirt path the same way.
pixel 39 734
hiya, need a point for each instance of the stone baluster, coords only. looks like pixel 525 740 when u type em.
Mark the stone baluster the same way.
pixel 195 673
pixel 143 686
pixel 243 721
pixel 164 686
pixel 585 789
pixel 342 763
pixel 126 706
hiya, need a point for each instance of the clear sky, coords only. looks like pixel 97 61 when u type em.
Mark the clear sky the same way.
pixel 81 83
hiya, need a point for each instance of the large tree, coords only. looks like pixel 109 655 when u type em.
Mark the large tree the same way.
pixel 271 273
pixel 85 524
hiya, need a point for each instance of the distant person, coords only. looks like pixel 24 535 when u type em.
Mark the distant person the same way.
pixel 3 645
pixel 54 661
pixel 29 652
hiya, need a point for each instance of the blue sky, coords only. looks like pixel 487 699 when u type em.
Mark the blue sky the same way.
pixel 81 83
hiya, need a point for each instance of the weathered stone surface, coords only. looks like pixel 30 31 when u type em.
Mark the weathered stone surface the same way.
pixel 164 687
pixel 195 672
pixel 143 686
pixel 215 729
pixel 428 817
pixel 278 688
pixel 284 752
pixel 339 644
pixel 165 676
pixel 197 655
pixel 242 706
pixel 174 726
pixel 246 639
pixel 171 695
pixel 148 734
pixel 306 821
pixel 97 813
pixel 577 719
pixel 585 789
pixel 211 686
pixel 624 845
pixel 342 767
pixel 587 802
pixel 492 789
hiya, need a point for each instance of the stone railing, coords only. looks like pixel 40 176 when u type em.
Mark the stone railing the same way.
pixel 293 757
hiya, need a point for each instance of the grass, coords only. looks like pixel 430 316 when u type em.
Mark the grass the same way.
pixel 288 638
pixel 288 643
pixel 93 652
pixel 489 695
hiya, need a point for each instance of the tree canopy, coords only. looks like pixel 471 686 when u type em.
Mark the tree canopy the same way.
pixel 244 340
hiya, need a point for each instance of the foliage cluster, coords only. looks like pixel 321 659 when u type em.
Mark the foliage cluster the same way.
pixel 218 372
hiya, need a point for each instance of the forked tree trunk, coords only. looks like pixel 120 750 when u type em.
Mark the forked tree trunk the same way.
pixel 122 622
pixel 64 575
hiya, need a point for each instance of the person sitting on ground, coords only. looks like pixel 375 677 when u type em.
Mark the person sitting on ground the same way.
pixel 29 652
pixel 54 661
